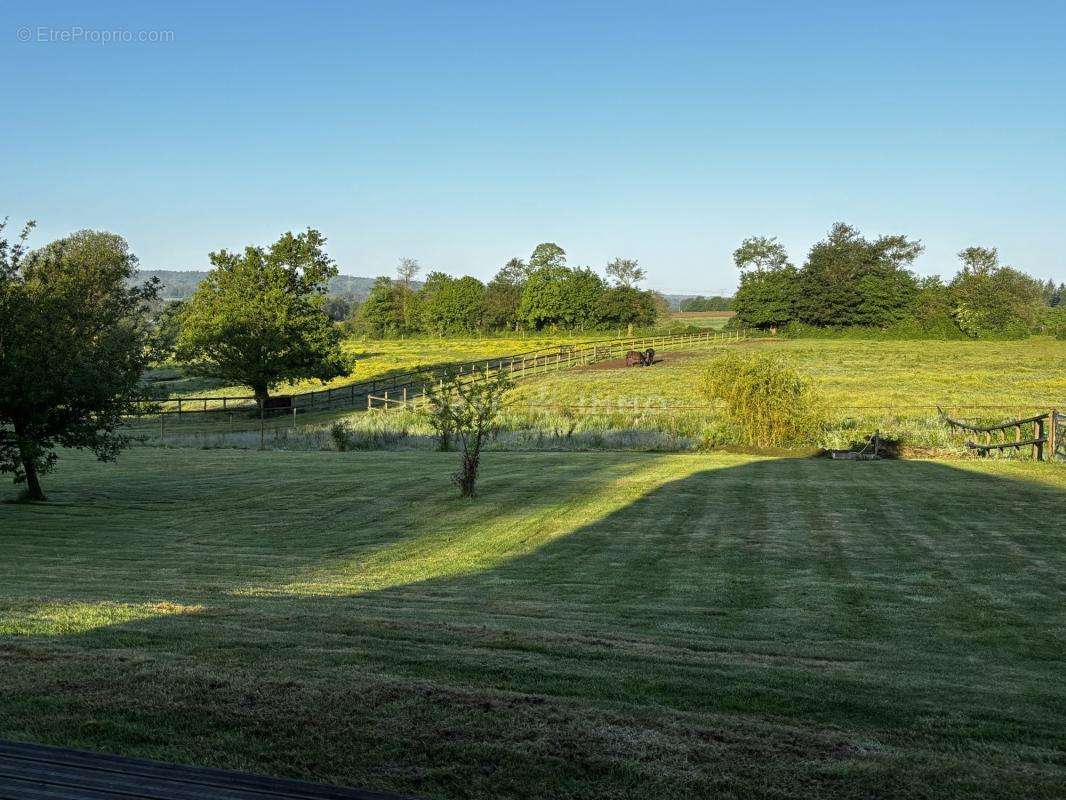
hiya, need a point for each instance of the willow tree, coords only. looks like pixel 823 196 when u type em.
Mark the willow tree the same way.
pixel 74 341
pixel 259 317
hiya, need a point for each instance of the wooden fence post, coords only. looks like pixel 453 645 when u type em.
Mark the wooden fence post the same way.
pixel 1053 435
pixel 1038 448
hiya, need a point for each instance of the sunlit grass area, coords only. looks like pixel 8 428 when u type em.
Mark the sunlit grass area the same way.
pixel 855 374
pixel 702 319
pixel 594 624
pixel 375 359
pixel 893 387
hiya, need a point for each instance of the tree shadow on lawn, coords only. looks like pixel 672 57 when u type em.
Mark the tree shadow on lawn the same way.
pixel 772 628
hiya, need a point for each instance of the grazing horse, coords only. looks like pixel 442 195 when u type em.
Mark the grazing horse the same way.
pixel 640 358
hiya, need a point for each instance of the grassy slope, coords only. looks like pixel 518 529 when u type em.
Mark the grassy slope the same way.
pixel 595 624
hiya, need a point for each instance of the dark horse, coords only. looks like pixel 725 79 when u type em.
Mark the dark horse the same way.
pixel 640 358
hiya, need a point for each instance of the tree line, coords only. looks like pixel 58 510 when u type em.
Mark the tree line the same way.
pixel 849 282
pixel 701 303
pixel 535 294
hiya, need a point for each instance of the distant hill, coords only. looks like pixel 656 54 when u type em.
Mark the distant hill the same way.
pixel 180 283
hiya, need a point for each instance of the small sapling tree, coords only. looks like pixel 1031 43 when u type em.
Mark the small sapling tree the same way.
pixel 259 319
pixel 465 408
pixel 74 341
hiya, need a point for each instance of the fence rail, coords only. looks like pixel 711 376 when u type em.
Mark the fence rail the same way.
pixel 1045 442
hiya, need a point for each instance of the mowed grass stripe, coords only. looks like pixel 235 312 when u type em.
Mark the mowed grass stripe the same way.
pixel 592 625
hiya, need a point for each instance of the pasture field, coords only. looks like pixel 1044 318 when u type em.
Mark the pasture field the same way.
pixel 889 386
pixel 853 374
pixel 715 320
pixel 594 624
pixel 375 359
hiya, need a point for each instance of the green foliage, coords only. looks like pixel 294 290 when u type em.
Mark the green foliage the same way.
pixel 766 398
pixel 701 303
pixel 450 305
pixel 542 303
pixel 849 280
pixel 994 302
pixel 167 328
pixel 625 272
pixel 337 308
pixel 258 318
pixel 625 305
pixel 466 408
pixel 1053 322
pixel 502 296
pixel 579 295
pixel 761 254
pixel 766 299
pixel 547 255
pixel 74 341
pixel 381 314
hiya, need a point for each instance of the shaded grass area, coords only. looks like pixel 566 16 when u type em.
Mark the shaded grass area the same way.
pixel 593 625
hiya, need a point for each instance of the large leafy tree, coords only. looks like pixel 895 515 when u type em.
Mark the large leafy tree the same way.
pixel 766 296
pixel 547 255
pixel 74 341
pixel 258 318
pixel 849 280
pixel 381 314
pixel 451 305
pixel 766 300
pixel 580 295
pixel 993 301
pixel 625 305
pixel 542 303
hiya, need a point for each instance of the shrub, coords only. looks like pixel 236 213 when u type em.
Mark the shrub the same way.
pixel 768 401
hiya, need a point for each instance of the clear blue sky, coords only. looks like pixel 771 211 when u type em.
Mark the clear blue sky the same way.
pixel 463 134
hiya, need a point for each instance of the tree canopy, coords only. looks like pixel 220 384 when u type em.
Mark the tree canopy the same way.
pixel 258 318
pixel 74 341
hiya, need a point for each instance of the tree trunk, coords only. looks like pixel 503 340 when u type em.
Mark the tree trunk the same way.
pixel 33 483
pixel 29 466
pixel 262 394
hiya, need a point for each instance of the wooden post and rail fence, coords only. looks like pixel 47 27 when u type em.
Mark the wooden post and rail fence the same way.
pixel 1044 435
pixel 407 389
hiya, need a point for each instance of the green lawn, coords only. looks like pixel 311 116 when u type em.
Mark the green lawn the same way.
pixel 595 624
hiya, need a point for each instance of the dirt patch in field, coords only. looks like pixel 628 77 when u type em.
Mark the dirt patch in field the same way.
pixel 620 363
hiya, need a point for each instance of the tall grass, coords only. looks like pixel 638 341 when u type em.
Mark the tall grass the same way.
pixel 766 398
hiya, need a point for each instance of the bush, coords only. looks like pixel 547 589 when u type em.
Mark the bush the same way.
pixel 771 403
pixel 1052 322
